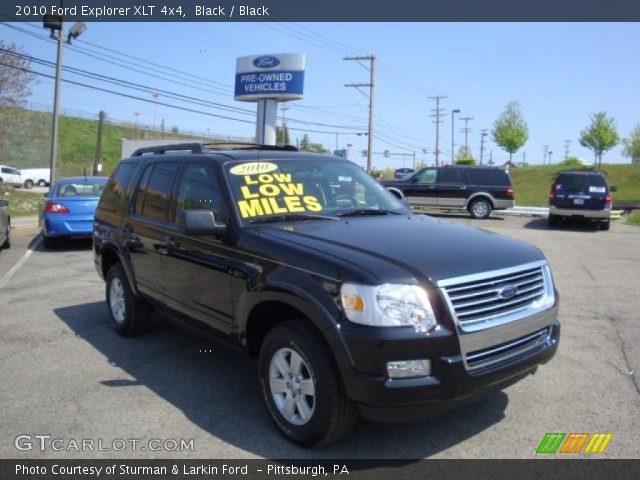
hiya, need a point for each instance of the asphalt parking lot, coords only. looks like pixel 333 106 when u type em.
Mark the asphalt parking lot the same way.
pixel 65 373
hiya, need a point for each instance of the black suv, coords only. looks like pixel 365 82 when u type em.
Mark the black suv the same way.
pixel 583 195
pixel 479 190
pixel 352 304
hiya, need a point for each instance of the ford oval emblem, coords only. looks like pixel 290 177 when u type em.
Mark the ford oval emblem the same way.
pixel 265 62
pixel 508 292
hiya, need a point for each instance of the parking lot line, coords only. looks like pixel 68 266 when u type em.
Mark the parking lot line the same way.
pixel 7 276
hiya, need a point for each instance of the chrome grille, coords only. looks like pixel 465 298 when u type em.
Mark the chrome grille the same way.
pixel 477 301
pixel 485 358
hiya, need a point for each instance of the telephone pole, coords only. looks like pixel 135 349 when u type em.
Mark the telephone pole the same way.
pixel 98 158
pixel 466 131
pixel 566 149
pixel 438 113
pixel 483 134
pixel 371 85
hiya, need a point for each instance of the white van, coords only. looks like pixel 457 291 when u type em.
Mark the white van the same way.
pixel 35 176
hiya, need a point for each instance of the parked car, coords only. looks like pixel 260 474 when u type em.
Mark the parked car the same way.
pixel 10 176
pixel 35 176
pixel 69 209
pixel 5 225
pixel 402 172
pixel 352 304
pixel 580 194
pixel 479 190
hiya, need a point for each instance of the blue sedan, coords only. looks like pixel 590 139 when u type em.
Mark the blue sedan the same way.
pixel 70 208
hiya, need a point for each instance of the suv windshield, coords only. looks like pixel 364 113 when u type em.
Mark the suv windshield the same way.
pixel 304 189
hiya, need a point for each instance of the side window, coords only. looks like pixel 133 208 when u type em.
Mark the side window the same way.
pixel 427 176
pixel 142 190
pixel 157 191
pixel 199 189
pixel 6 170
pixel 117 187
pixel 448 175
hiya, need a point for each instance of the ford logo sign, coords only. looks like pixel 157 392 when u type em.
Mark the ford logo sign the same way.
pixel 265 62
pixel 508 292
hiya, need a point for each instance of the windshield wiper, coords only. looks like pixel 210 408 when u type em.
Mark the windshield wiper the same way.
pixel 290 217
pixel 367 211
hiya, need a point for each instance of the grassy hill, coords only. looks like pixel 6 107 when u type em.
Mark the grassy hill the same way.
pixel 28 135
pixel 532 184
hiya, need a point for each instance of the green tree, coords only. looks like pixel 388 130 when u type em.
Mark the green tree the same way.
pixel 464 156
pixel 304 143
pixel 510 131
pixel 600 136
pixel 307 145
pixel 279 141
pixel 632 145
pixel 572 162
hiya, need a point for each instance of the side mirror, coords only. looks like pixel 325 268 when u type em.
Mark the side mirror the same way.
pixel 613 188
pixel 4 203
pixel 201 222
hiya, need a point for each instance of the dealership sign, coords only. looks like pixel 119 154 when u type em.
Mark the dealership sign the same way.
pixel 273 76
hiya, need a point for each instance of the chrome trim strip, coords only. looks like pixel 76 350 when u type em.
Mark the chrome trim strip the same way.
pixel 492 273
pixel 521 346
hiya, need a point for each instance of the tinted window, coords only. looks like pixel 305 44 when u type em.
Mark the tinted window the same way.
pixel 199 189
pixel 449 175
pixel 486 176
pixel 427 176
pixel 117 187
pixel 580 183
pixel 156 192
pixel 81 189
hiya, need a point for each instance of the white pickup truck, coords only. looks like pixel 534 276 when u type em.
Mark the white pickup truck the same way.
pixel 10 176
pixel 35 176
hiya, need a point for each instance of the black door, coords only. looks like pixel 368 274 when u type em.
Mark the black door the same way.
pixel 149 225
pixel 421 189
pixel 197 269
pixel 451 189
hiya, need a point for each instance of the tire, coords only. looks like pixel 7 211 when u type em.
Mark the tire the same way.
pixel 605 225
pixel 50 242
pixel 480 208
pixel 42 183
pixel 7 241
pixel 28 184
pixel 554 220
pixel 128 314
pixel 330 414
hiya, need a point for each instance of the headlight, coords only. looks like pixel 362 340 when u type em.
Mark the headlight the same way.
pixel 388 306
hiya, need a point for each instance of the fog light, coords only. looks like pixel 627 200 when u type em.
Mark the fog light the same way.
pixel 409 368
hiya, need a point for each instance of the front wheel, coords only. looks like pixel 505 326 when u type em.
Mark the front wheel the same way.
pixel 28 184
pixel 302 388
pixel 129 315
pixel 480 208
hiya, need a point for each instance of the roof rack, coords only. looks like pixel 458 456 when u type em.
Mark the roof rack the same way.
pixel 204 147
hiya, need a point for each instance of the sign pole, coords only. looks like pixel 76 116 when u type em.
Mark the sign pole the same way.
pixel 267 121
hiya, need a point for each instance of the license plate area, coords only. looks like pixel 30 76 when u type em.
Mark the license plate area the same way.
pixel 578 201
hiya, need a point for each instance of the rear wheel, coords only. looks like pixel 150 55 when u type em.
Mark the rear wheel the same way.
pixel 7 239
pixel 606 224
pixel 554 220
pixel 302 388
pixel 28 184
pixel 129 315
pixel 42 183
pixel 480 208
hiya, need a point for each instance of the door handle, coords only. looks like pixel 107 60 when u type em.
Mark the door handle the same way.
pixel 431 187
pixel 172 242
pixel 463 187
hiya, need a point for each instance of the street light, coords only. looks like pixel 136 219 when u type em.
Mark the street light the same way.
pixel 453 145
pixel 56 23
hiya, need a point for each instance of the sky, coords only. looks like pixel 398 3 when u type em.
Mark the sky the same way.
pixel 559 72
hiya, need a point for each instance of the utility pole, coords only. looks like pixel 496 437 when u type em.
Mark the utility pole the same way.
pixel 162 129
pixel 56 104
pixel 438 113
pixel 524 159
pixel 371 85
pixel 98 159
pixel 544 159
pixel 550 152
pixel 483 134
pixel 466 131
pixel 566 149
pixel 284 124
pixel 453 144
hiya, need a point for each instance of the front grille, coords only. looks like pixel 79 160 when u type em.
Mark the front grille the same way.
pixel 488 357
pixel 478 301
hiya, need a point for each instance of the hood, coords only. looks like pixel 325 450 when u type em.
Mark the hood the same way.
pixel 423 247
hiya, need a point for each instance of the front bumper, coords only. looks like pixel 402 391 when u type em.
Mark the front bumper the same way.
pixel 68 225
pixel 571 212
pixel 450 384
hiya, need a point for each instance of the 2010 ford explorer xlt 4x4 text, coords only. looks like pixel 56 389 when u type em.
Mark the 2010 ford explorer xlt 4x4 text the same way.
pixel 352 304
